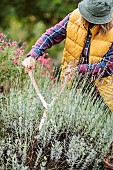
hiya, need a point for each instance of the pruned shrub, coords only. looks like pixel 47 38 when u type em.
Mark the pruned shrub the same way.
pixel 75 135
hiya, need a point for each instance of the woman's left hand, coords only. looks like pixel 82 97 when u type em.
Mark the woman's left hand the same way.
pixel 70 71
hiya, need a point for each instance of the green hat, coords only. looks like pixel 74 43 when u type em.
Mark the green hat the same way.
pixel 96 11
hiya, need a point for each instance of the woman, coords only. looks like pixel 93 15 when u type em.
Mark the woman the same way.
pixel 88 31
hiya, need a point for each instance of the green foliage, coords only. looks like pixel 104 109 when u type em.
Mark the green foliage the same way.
pixel 20 19
pixel 76 133
pixel 47 11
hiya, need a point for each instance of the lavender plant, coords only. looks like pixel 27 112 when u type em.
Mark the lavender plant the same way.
pixel 75 135
pixel 83 133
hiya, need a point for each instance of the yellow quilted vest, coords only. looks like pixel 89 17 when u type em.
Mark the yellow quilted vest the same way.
pixel 99 46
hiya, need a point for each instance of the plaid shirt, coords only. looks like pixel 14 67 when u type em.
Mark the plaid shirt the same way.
pixel 56 34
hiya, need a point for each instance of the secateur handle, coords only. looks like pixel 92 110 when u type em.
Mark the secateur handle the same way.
pixel 37 89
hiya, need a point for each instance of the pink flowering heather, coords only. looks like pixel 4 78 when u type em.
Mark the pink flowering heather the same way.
pixel 11 54
pixel 2 35
pixel 14 43
pixel 43 73
pixel 15 63
pixel 13 51
pixel 44 61
pixel 11 57
pixel 48 70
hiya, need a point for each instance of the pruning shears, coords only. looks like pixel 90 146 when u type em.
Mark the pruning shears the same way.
pixel 45 104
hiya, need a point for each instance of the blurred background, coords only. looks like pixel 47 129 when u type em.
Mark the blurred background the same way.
pixel 25 21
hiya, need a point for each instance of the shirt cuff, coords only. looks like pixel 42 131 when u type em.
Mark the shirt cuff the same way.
pixel 82 68
pixel 33 54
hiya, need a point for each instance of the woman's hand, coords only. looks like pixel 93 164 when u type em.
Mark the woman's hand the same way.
pixel 29 64
pixel 70 71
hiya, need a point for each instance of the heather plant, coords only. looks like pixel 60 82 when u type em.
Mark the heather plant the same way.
pixel 11 54
pixel 75 135
pixel 11 70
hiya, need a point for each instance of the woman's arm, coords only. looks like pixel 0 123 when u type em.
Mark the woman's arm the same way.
pixel 102 69
pixel 52 36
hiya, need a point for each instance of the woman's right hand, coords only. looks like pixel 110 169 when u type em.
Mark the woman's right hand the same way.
pixel 29 64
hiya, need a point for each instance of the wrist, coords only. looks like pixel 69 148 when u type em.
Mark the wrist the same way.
pixel 33 55
pixel 31 58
